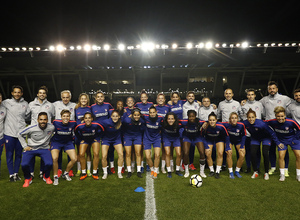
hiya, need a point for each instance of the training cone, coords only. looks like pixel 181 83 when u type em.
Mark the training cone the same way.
pixel 139 189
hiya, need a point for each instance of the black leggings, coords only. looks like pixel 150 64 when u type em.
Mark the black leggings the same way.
pixel 265 150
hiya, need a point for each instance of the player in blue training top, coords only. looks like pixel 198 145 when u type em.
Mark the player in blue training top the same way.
pixel 89 133
pixel 133 127
pixel 215 134
pixel 162 110
pixel 63 140
pixel 288 132
pixel 112 136
pixel 237 135
pixel 152 136
pixel 144 106
pixel 80 109
pixel 261 133
pixel 191 135
pixel 171 139
pixel 101 110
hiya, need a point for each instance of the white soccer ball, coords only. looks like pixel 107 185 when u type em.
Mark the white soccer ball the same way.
pixel 196 181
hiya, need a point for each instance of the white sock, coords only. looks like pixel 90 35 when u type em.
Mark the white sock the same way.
pixel 177 168
pixel 298 172
pixel 104 170
pixel 202 167
pixel 186 168
pixel 89 164
pixel 129 169
pixel 163 164
pixel 111 164
pixel 139 168
pixel 171 163
pixel 94 171
pixel 156 169
pixel 211 168
pixel 142 164
pixel 230 170
pixel 78 166
pixel 152 169
pixel 273 168
pixel 66 172
pixel 218 169
pixel 168 169
pixel 237 169
pixel 119 169
pixel 83 171
pixel 281 171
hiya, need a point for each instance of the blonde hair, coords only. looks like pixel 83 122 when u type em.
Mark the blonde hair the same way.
pixel 79 103
pixel 279 109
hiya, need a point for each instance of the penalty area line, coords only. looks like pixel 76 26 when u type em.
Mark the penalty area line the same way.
pixel 150 205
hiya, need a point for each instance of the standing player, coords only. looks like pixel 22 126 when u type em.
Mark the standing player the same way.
pixel 88 133
pixel 294 108
pixel 287 131
pixel 102 110
pixel 191 135
pixel 133 134
pixel 237 135
pixel 112 137
pixel 65 103
pixel 171 139
pixel 17 111
pixel 259 110
pixel 81 108
pixel 41 104
pixel 38 138
pixel 162 110
pixel 270 102
pixel 2 117
pixel 261 134
pixel 152 137
pixel 63 140
pixel 215 134
pixel 144 106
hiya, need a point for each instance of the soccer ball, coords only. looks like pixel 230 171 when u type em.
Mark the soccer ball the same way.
pixel 196 181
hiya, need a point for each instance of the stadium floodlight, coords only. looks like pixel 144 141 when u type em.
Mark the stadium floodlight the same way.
pixel 79 47
pixel 60 48
pixel 106 47
pixel 258 45
pixel 138 46
pixel 157 46
pixel 147 46
pixel 238 45
pixel 287 44
pixel 121 47
pixel 130 47
pixel 280 44
pixel 72 47
pixel 3 49
pixel 95 47
pixel 189 45
pixel 224 45
pixel 174 46
pixel 17 49
pixel 231 45
pixel 266 45
pixel 24 48
pixel 51 48
pixel 87 47
pixel 273 44
pixel 217 45
pixel 208 45
pixel 10 49
pixel 245 44
pixel 38 48
pixel 201 45
pixel 294 44
pixel 30 49
pixel 164 46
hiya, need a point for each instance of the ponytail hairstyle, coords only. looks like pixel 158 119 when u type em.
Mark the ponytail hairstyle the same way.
pixel 251 111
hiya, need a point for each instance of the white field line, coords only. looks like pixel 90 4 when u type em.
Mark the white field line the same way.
pixel 150 205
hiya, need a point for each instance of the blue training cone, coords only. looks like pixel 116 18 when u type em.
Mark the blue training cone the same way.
pixel 139 189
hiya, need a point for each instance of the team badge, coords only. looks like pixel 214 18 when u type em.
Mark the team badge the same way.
pixel 71 109
pixel 49 132
pixel 2 113
pixel 218 132
pixel 23 106
pixel 47 106
pixel 278 101
pixel 6 141
pixel 93 131
pixel 237 130
pixel 233 107
pixel 70 129
pixel 256 108
pixel 156 123
pixel 287 128
pixel 256 129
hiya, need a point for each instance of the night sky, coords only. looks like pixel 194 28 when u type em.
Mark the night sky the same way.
pixel 41 23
